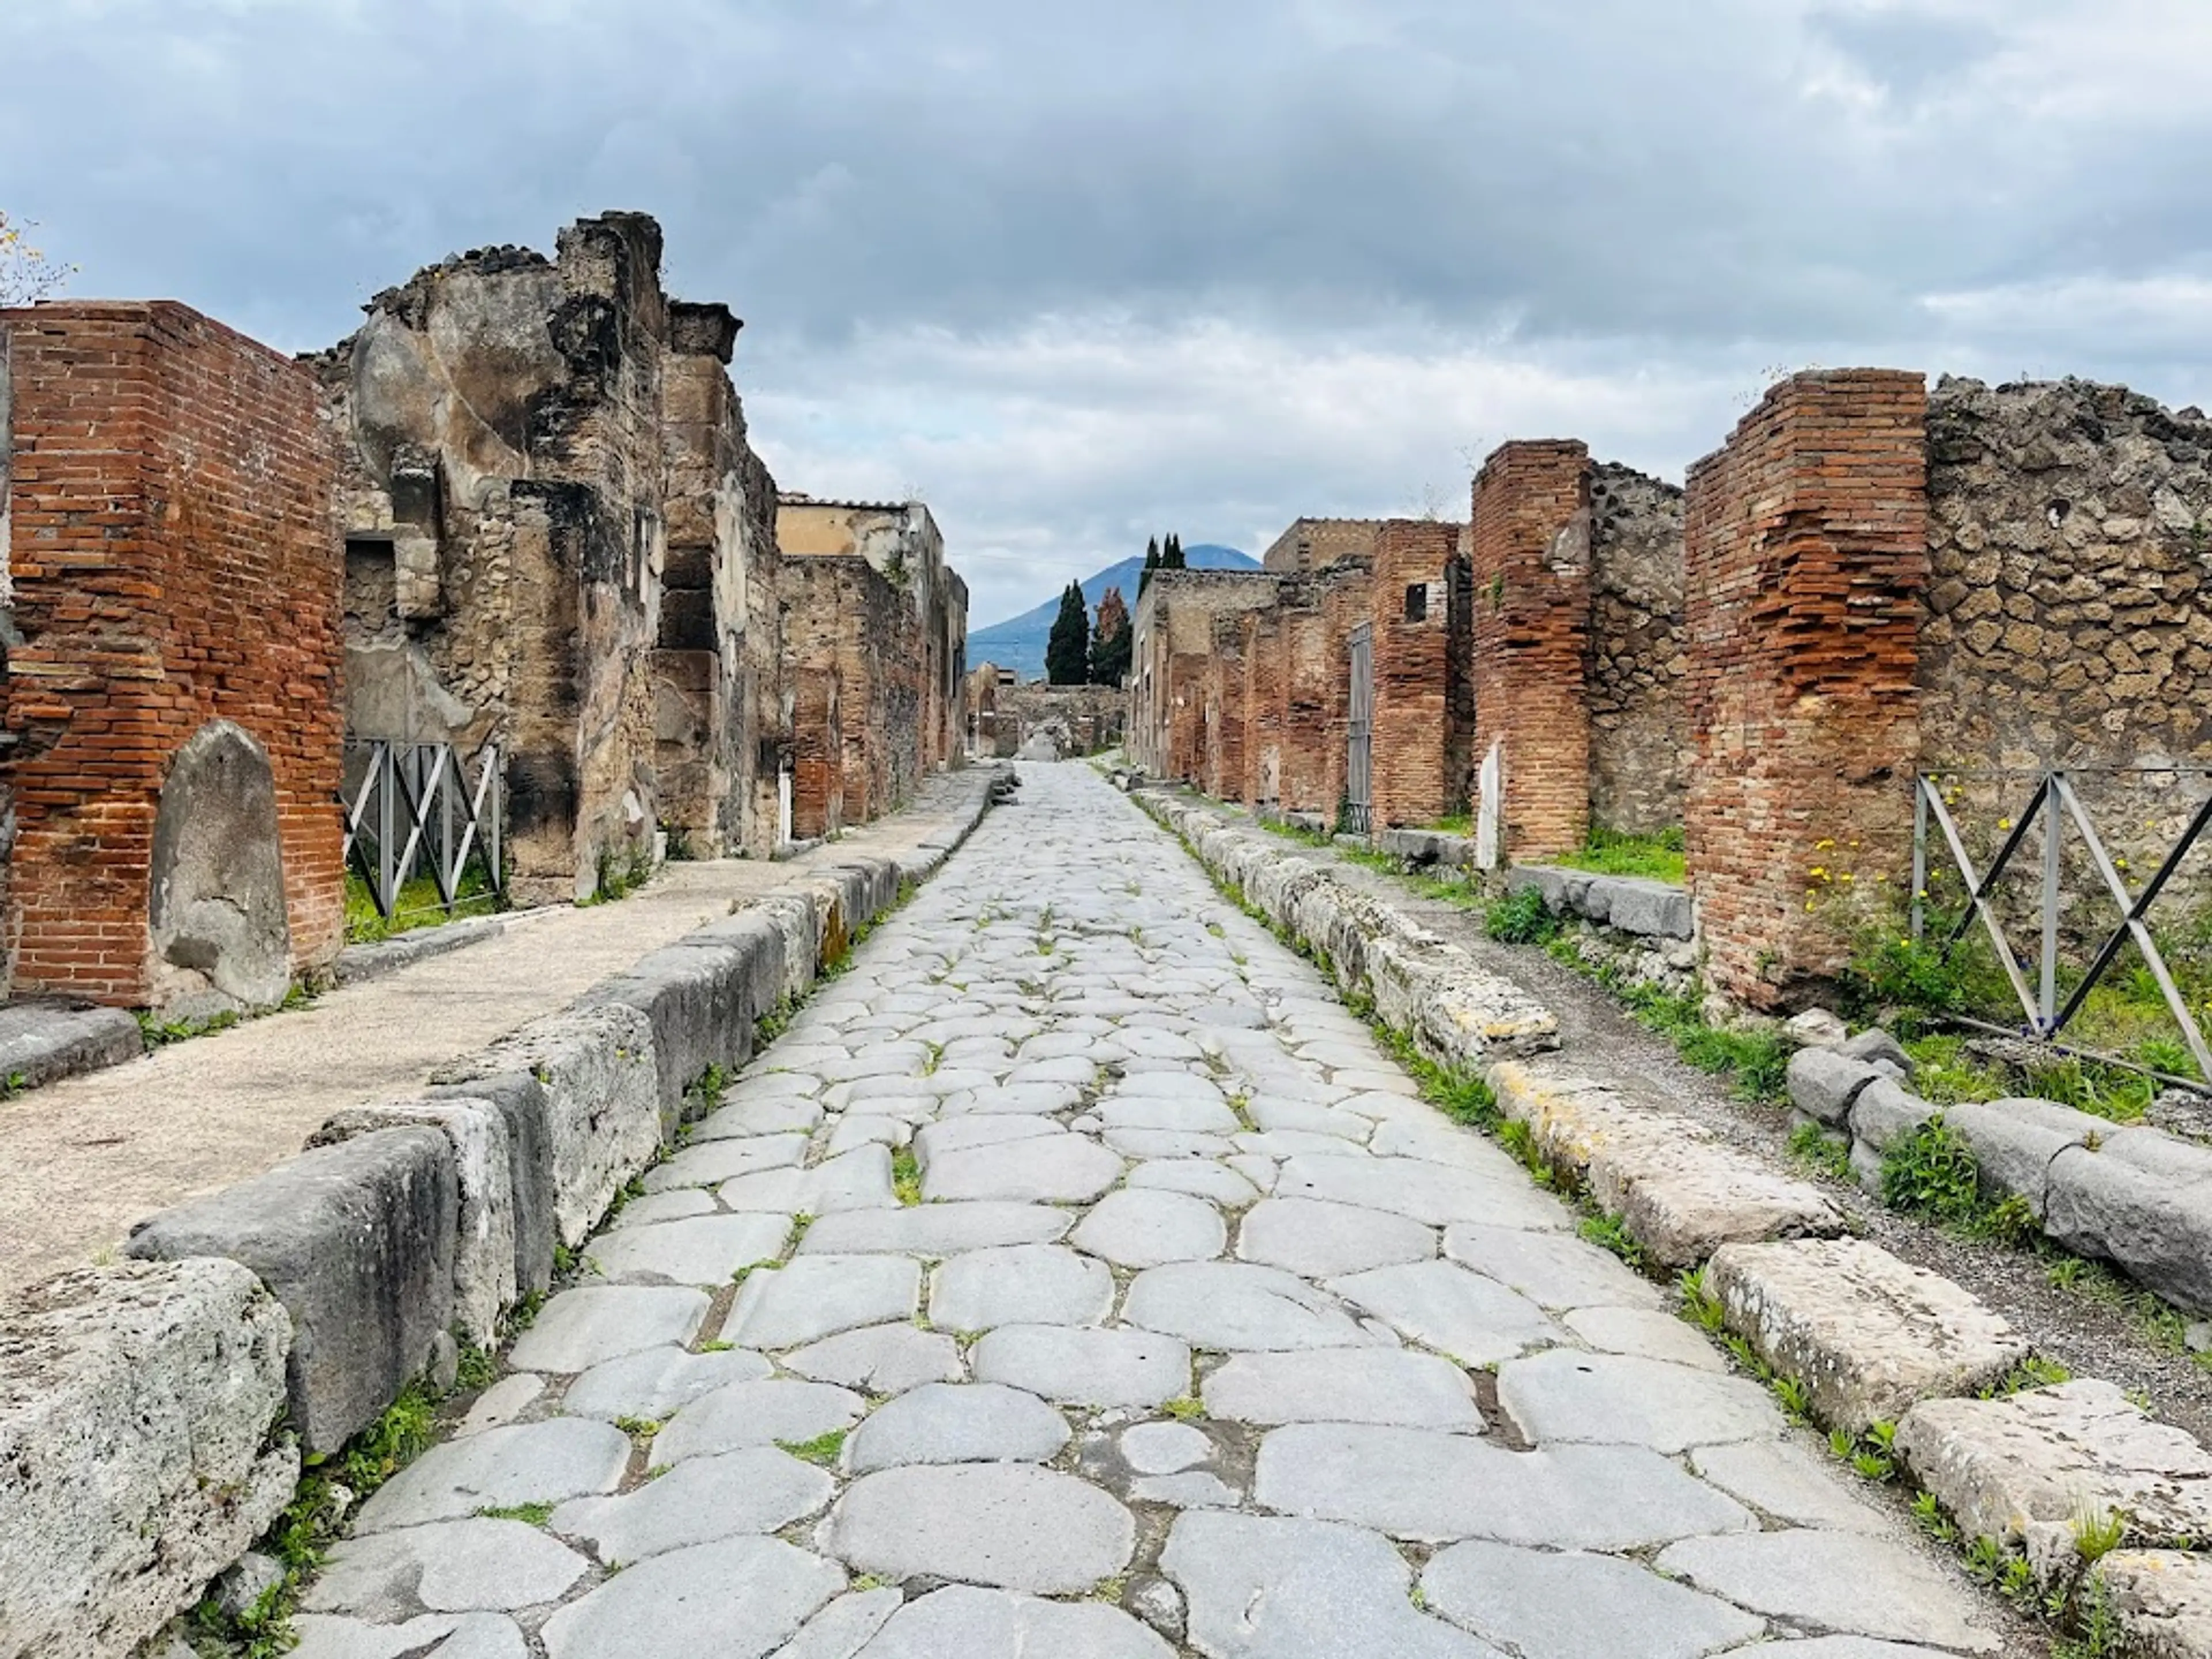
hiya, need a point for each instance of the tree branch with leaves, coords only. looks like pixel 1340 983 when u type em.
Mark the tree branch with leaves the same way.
pixel 25 273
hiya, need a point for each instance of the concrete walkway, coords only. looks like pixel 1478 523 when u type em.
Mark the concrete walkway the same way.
pixel 84 1159
pixel 1076 1277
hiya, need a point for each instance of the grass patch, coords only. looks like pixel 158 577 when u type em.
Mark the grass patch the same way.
pixel 1818 1150
pixel 906 1176
pixel 1521 918
pixel 533 1515
pixel 418 904
pixel 823 1450
pixel 1186 1409
pixel 1610 852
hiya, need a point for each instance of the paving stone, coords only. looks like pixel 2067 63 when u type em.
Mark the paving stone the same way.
pixel 790 1114
pixel 711 1163
pixel 766 1414
pixel 1262 1587
pixel 1551 1271
pixel 1420 1484
pixel 858 1179
pixel 452 1566
pixel 1275 1116
pixel 1434 1193
pixel 843 1628
pixel 856 1130
pixel 523 1463
pixel 673 1205
pixel 502 1403
pixel 1294 1143
pixel 1260 1171
pixel 1145 1229
pixel 738 1598
pixel 1788 1482
pixel 1829 1580
pixel 960 1134
pixel 817 1296
pixel 1836 1647
pixel 1034 1099
pixel 1168 1143
pixel 1623 1399
pixel 1234 1305
pixel 1461 1315
pixel 2161 1600
pixel 1435 1139
pixel 1020 1285
pixel 1005 1525
pixel 1075 1366
pixel 1646 1333
pixel 1323 1241
pixel 1343 1385
pixel 1573 1605
pixel 1143 1112
pixel 879 1360
pixel 1165 1448
pixel 1200 1178
pixel 957 1422
pixel 1867 1335
pixel 934 1229
pixel 703 1250
pixel 466 1636
pixel 1196 1490
pixel 1054 1169
pixel 758 1490
pixel 1175 1083
pixel 979 1623
pixel 658 1382
pixel 579 1328
pixel 2026 1466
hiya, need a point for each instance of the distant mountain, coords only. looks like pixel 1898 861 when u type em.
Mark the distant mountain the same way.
pixel 1019 644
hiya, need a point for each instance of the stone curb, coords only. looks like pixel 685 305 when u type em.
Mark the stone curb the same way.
pixel 308 1298
pixel 41 1042
pixel 1628 904
pixel 357 963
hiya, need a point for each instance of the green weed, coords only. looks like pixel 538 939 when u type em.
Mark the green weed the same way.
pixel 1521 918
pixel 823 1449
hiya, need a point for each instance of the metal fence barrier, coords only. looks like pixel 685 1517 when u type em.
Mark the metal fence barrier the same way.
pixel 414 804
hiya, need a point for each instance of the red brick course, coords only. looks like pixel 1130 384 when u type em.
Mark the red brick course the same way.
pixel 1413 672
pixel 174 560
pixel 1807 558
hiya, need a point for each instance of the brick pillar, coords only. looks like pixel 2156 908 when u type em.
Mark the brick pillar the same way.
pixel 1411 611
pixel 1531 602
pixel 1225 680
pixel 1806 558
pixel 1347 602
pixel 1264 704
pixel 174 562
pixel 1307 699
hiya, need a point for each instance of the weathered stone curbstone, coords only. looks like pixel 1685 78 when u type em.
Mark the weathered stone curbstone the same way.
pixel 484 1165
pixel 1867 1334
pixel 2142 1198
pixel 1884 1113
pixel 137 1406
pixel 356 1241
pixel 2161 1600
pixel 1824 1084
pixel 2015 1142
pixel 41 1042
pixel 2036 1466
pixel 600 1094
pixel 1653 910
pixel 699 997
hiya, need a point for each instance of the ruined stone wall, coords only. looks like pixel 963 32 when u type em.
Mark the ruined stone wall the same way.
pixel 1311 545
pixel 1413 669
pixel 1806 547
pixel 505 424
pixel 1638 724
pixel 1529 571
pixel 1226 716
pixel 1091 717
pixel 852 659
pixel 1348 601
pixel 174 571
pixel 1174 625
pixel 1266 674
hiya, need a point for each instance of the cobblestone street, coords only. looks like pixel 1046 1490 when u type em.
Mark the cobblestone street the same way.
pixel 1076 1276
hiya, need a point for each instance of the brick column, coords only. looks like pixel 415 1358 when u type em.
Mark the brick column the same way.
pixel 1806 559
pixel 1264 680
pixel 1308 683
pixel 1412 619
pixel 1225 714
pixel 1531 602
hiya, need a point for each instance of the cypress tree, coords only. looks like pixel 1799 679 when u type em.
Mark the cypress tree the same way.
pixel 1067 651
pixel 1151 563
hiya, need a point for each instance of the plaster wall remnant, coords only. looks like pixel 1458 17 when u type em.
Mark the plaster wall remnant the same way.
pixel 172 570
pixel 558 537
pixel 875 655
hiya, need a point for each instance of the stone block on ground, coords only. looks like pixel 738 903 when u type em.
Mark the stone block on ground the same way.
pixel 358 1241
pixel 702 997
pixel 1824 1083
pixel 2161 1600
pixel 136 1409
pixel 2033 1466
pixel 483 1251
pixel 1885 1112
pixel 2016 1142
pixel 2142 1198
pixel 1868 1335
pixel 600 1084
pixel 43 1042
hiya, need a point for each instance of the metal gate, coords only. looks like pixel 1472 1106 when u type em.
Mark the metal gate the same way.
pixel 416 804
pixel 1359 753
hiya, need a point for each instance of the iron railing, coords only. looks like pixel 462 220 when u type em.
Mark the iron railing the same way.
pixel 2055 805
pixel 413 804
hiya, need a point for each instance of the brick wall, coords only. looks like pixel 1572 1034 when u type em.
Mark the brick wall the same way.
pixel 853 659
pixel 1174 627
pixel 1414 669
pixel 173 562
pixel 1266 675
pixel 1530 581
pixel 1311 545
pixel 1806 544
pixel 1227 715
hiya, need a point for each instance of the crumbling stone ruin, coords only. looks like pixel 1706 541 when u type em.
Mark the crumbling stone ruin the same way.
pixel 1005 715
pixel 558 538
pixel 169 600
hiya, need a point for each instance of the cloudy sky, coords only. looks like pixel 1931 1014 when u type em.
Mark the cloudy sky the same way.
pixel 1078 271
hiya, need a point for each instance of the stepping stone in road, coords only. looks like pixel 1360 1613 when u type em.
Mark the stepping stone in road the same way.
pixel 1572 1606
pixel 1135 1228
pixel 957 1422
pixel 1620 1400
pixel 1344 1385
pixel 1474 1320
pixel 500 1468
pixel 1077 1366
pixel 1840 1581
pixel 1021 1284
pixel 980 1623
pixel 583 1328
pixel 1233 1305
pixel 1263 1587
pixel 1324 1241
pixel 817 1296
pixel 756 1414
pixel 742 1597
pixel 757 1491
pixel 658 1382
pixel 1051 1169
pixel 451 1566
pixel 1005 1525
